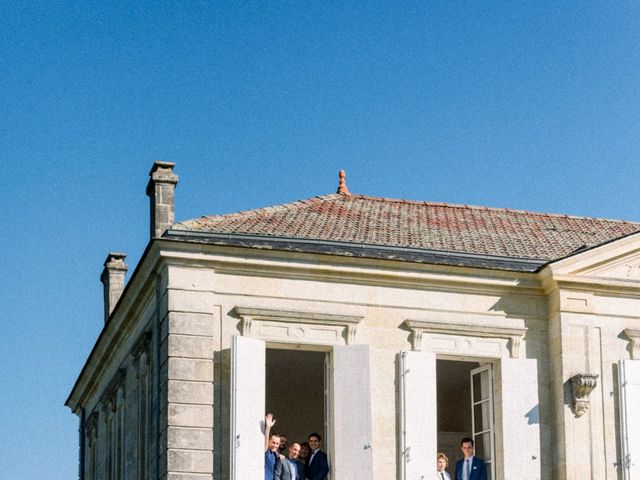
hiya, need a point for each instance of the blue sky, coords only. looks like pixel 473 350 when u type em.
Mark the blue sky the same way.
pixel 525 105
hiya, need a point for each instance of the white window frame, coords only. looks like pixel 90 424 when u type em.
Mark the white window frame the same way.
pixel 487 370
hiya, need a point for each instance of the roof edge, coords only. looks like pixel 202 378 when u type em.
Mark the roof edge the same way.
pixel 363 250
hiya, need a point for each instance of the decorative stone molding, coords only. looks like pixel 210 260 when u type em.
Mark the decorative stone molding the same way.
pixel 91 423
pixel 110 396
pixel 142 345
pixel 582 384
pixel 313 327
pixel 634 340
pixel 140 353
pixel 514 336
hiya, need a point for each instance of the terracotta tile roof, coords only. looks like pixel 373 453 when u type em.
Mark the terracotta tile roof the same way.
pixel 361 219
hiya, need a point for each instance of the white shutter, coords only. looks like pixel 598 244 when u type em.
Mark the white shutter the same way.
pixel 351 402
pixel 629 395
pixel 247 408
pixel 418 419
pixel 520 418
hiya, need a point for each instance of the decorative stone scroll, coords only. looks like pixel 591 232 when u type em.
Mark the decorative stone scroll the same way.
pixel 634 340
pixel 582 385
pixel 513 336
pixel 288 325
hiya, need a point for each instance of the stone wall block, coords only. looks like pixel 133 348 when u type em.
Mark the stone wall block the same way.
pixel 181 415
pixel 188 476
pixel 191 461
pixel 190 369
pixel 190 347
pixel 190 301
pixel 191 324
pixel 190 438
pixel 195 279
pixel 190 392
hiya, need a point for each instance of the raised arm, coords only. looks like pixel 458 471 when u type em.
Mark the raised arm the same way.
pixel 269 422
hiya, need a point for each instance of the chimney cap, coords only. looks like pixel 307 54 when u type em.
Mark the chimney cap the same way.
pixel 161 164
pixel 115 257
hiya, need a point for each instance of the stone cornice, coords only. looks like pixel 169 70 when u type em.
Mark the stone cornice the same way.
pixel 591 284
pixel 513 335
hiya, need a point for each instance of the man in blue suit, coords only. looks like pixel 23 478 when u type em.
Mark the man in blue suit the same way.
pixel 317 465
pixel 470 467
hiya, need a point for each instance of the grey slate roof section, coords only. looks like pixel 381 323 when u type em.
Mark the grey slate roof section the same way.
pixel 380 252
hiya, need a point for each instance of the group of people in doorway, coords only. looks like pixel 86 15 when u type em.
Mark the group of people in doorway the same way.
pixel 297 461
pixel 468 468
pixel 306 461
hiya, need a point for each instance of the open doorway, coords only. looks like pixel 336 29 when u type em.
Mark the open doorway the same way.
pixel 465 409
pixel 295 392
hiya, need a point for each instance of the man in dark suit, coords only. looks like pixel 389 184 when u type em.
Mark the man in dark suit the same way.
pixel 290 468
pixel 317 465
pixel 470 467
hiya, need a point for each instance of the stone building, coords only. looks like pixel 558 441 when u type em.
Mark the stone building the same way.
pixel 392 327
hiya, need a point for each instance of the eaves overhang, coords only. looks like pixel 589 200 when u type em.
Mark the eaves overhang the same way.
pixel 140 273
pixel 361 250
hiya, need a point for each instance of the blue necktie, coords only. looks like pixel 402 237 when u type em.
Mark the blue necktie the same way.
pixel 468 469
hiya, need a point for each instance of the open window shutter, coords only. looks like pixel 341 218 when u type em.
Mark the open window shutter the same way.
pixel 629 395
pixel 418 419
pixel 351 392
pixel 247 408
pixel 520 418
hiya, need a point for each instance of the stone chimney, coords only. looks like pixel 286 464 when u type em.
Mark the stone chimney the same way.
pixel 161 192
pixel 113 279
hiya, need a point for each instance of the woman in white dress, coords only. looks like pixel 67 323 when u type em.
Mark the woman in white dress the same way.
pixel 442 463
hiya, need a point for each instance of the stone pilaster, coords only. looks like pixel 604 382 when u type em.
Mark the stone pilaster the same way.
pixel 188 344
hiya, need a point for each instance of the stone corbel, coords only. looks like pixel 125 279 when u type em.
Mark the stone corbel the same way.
pixel 245 325
pixel 416 339
pixel 634 341
pixel 351 334
pixel 582 384
pixel 515 341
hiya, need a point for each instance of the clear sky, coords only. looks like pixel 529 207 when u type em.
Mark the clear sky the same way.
pixel 525 105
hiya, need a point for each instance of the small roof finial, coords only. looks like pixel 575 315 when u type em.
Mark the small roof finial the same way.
pixel 342 186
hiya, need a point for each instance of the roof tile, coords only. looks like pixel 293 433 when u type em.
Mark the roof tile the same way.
pixel 444 227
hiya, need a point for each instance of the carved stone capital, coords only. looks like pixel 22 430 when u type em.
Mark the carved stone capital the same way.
pixel 582 384
pixel 634 340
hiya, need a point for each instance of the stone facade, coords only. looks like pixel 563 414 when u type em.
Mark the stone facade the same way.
pixel 175 386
